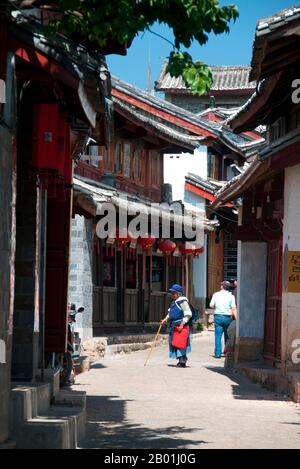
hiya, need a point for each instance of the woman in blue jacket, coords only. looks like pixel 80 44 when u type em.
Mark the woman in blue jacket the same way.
pixel 179 316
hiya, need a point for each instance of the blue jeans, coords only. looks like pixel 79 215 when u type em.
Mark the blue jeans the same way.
pixel 222 323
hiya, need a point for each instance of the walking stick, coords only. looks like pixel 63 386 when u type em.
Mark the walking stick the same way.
pixel 153 343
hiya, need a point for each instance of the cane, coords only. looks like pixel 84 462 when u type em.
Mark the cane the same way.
pixel 153 343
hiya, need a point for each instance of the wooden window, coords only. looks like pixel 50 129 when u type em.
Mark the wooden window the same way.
pixel 109 275
pixel 143 166
pixel 137 164
pixel 214 166
pixel 118 160
pixel 155 168
pixel 278 129
pixel 158 273
pixel 131 274
pixel 127 160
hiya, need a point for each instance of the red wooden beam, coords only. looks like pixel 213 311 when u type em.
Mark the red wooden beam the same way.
pixel 203 193
pixel 196 129
pixel 200 192
pixel 41 61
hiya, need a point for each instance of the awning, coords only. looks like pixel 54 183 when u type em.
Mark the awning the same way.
pixel 94 197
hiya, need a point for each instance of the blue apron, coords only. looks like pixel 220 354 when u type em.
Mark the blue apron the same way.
pixel 176 316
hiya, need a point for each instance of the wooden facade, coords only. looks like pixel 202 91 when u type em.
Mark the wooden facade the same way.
pixel 130 284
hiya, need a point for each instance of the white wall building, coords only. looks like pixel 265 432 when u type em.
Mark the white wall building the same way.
pixel 176 168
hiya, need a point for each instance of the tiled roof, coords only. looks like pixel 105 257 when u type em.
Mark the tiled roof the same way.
pixel 173 134
pixel 98 193
pixel 237 186
pixel 226 78
pixel 270 23
pixel 177 124
pixel 208 185
pixel 277 31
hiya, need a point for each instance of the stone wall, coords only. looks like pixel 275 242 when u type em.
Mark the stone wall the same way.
pixel 26 310
pixel 291 242
pixel 6 270
pixel 252 274
pixel 81 268
pixel 195 104
pixel 7 246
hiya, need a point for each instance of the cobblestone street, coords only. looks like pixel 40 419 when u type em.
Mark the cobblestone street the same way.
pixel 161 406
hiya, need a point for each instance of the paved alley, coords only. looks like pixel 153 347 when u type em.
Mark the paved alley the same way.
pixel 161 406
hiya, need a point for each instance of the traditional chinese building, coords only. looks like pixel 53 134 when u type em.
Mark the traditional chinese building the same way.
pixel 268 231
pixel 226 157
pixel 128 282
pixel 52 95
pixel 231 88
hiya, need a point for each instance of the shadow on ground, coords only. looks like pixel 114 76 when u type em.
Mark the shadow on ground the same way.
pixel 246 389
pixel 108 428
pixel 97 366
pixel 292 423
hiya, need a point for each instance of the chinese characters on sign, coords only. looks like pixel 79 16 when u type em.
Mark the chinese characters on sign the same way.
pixel 294 272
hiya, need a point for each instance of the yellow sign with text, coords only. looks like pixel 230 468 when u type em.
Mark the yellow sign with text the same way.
pixel 294 272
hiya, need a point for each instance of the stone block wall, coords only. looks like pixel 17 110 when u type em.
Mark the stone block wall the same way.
pixel 81 270
pixel 7 193
pixel 195 104
pixel 26 312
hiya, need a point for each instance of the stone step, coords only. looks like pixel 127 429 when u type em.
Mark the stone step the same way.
pixel 28 401
pixel 129 339
pixel 76 417
pixel 8 445
pixel 69 398
pixel 46 432
pixel 36 424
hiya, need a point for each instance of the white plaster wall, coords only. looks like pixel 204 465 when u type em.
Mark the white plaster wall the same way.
pixel 252 274
pixel 176 167
pixel 291 242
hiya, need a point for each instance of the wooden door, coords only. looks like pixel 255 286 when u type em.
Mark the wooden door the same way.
pixel 57 274
pixel 273 316
pixel 215 264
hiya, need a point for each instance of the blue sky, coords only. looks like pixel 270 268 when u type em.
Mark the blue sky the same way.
pixel 234 48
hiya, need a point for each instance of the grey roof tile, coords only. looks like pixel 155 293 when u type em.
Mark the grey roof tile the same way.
pixel 226 78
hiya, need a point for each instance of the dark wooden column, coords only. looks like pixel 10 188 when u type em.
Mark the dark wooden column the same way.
pixel 124 280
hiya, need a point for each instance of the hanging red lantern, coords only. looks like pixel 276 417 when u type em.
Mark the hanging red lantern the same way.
pixel 187 250
pixel 199 251
pixel 146 242
pixel 122 236
pixel 167 247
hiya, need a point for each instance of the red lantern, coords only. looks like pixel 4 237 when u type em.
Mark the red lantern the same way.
pixel 123 236
pixel 191 250
pixel 146 242
pixel 167 247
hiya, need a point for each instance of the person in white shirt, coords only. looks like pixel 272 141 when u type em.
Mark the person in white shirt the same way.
pixel 224 305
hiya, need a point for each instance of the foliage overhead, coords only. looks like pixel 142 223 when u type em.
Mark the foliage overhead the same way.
pixel 98 22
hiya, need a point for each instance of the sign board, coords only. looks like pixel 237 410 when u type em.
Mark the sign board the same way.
pixel 294 272
pixel 2 92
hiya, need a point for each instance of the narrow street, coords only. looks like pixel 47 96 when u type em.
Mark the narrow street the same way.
pixel 161 406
